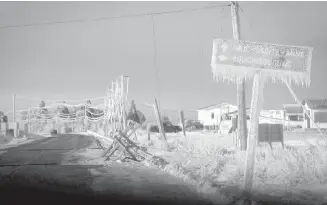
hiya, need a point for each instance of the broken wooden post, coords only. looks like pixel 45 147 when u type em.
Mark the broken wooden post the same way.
pixel 237 60
pixel 182 121
pixel 160 125
pixel 125 147
pixel 113 147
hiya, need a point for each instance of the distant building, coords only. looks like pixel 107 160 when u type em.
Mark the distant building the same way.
pixel 293 115
pixel 265 113
pixel 293 112
pixel 276 114
pixel 317 110
pixel 235 113
pixel 211 116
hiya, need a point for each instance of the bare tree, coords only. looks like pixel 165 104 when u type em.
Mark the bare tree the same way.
pixel 135 115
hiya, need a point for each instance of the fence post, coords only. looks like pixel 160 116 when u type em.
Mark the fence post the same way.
pixel 16 129
pixel 85 120
pixel 148 129
pixel 54 124
pixel 73 126
pixel 26 128
pixel 160 125
pixel 14 116
pixel 181 118
pixel 29 121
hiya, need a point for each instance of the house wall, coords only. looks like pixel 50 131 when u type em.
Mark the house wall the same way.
pixel 204 116
pixel 276 114
pixel 313 115
pixel 323 122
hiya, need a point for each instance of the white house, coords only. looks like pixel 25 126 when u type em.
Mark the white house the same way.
pixel 317 109
pixel 293 115
pixel 276 114
pixel 211 116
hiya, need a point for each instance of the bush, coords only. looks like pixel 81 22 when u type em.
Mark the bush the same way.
pixel 68 130
pixel 53 132
pixel 3 118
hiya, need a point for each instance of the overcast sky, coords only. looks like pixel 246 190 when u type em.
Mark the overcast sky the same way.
pixel 79 60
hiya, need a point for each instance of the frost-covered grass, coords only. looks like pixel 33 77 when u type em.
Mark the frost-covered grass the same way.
pixel 213 163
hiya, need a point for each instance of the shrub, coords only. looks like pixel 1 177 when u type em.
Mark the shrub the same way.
pixel 68 130
pixel 5 119
pixel 53 132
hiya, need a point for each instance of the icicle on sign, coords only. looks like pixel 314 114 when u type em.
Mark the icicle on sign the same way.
pixel 234 60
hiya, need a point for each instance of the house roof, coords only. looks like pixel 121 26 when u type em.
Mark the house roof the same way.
pixel 316 103
pixel 216 106
pixel 236 112
pixel 293 109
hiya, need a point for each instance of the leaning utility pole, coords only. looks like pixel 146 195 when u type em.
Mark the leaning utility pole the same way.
pixel 242 125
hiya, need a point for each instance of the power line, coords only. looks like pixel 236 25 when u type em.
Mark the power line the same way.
pixel 155 57
pixel 39 99
pixel 109 18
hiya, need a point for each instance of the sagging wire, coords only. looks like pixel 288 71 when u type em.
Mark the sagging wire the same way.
pixel 155 57
pixel 109 18
pixel 58 101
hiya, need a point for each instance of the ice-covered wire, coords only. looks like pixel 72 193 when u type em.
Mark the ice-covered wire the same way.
pixel 94 113
pixel 39 99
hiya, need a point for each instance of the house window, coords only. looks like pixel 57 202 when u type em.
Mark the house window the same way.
pixel 293 118
pixel 212 116
pixel 320 117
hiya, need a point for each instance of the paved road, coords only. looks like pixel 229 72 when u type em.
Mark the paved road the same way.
pixel 38 164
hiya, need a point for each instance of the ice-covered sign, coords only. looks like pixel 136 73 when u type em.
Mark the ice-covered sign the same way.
pixel 233 59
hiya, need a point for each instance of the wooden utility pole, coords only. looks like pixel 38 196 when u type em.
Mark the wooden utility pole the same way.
pixel 160 125
pixel 242 125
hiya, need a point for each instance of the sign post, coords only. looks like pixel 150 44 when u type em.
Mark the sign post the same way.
pixel 237 60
